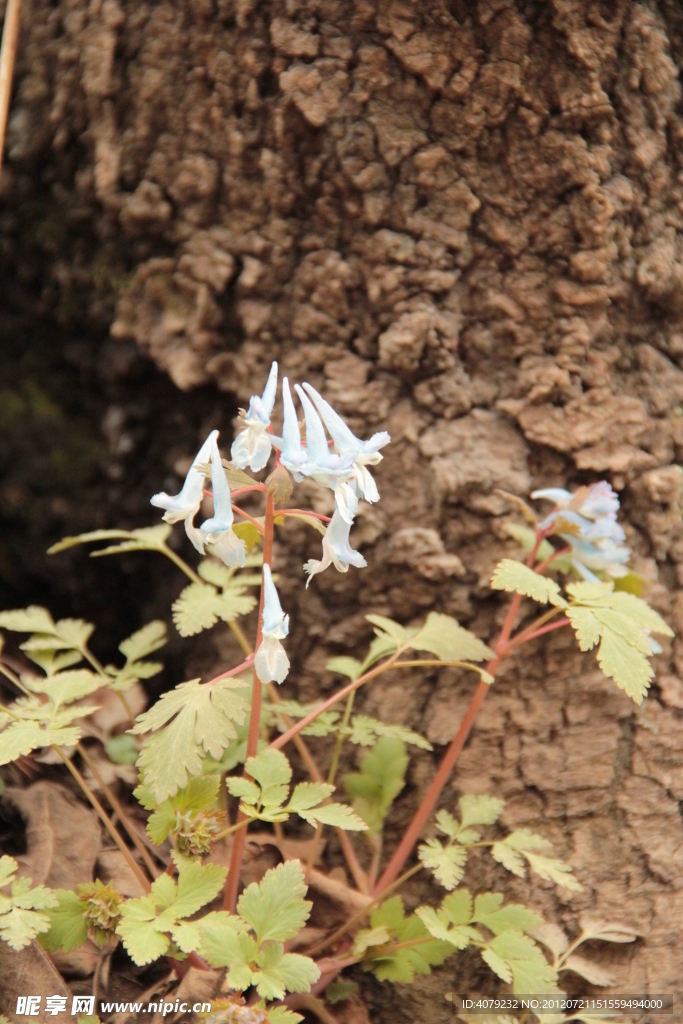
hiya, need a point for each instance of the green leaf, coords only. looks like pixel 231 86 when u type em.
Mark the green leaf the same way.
pixel 145 641
pixel 122 749
pixel 148 537
pixel 515 576
pixel 68 924
pixel 69 686
pixel 19 739
pixel 393 631
pixel 525 965
pixel 33 619
pixel 275 907
pixel 218 934
pixel 200 606
pixel 338 815
pixel 380 780
pixel 449 641
pixel 248 533
pixel 447 863
pixel 370 937
pixel 137 929
pixel 340 990
pixel 623 623
pixel 198 884
pixel 199 794
pixel 521 845
pixel 203 723
pixel 281 1015
pixel 479 810
pixel 19 921
pixel 309 794
pixel 364 731
pixel 350 667
pixel 489 911
pixel 401 965
pixel 279 972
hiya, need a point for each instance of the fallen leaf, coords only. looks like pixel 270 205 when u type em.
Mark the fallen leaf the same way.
pixel 28 972
pixel 112 867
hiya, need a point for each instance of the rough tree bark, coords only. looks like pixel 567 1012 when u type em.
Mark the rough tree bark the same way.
pixel 461 221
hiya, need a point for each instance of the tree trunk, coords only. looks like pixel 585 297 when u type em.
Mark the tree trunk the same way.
pixel 461 222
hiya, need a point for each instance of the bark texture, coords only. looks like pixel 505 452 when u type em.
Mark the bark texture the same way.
pixel 462 223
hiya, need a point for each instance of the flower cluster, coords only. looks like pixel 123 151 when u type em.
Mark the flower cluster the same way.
pixel 587 521
pixel 340 464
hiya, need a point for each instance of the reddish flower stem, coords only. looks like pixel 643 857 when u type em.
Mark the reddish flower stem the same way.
pixel 547 629
pixel 431 797
pixel 239 842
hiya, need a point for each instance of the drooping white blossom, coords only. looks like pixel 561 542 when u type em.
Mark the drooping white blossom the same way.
pixel 185 504
pixel 218 530
pixel 253 444
pixel 337 549
pixel 271 662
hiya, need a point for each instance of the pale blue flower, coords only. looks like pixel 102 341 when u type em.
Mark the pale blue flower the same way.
pixel 185 504
pixel 271 662
pixel 604 556
pixel 587 521
pixel 252 445
pixel 337 549
pixel 218 530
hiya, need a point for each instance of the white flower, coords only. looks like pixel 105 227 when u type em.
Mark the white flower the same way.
pixel 359 454
pixel 218 530
pixel 185 504
pixel 292 454
pixel 271 662
pixel 252 445
pixel 337 550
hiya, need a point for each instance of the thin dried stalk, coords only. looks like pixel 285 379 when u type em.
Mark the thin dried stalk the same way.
pixel 10 36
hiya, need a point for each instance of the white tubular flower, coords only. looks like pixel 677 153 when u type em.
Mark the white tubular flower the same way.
pixel 218 530
pixel 271 662
pixel 185 504
pixel 292 454
pixel 337 550
pixel 360 455
pixel 252 445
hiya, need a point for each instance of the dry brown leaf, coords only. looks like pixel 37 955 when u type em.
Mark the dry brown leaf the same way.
pixel 62 834
pixel 28 972
pixel 112 867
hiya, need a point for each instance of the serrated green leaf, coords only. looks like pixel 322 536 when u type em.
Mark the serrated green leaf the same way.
pixel 198 884
pixel 479 810
pixel 213 571
pixel 68 925
pixel 525 962
pixel 379 648
pixel 337 815
pixel 489 911
pixel 449 641
pixel 145 641
pixel 401 965
pixel 199 794
pixel 436 923
pixel 200 606
pixel 137 929
pixel 380 780
pixel 21 919
pixel 245 789
pixel 151 536
pixel 369 937
pixel 363 731
pixel 349 667
pixel 281 1015
pixel 74 632
pixel 280 972
pixel 203 722
pixel 248 533
pixel 386 627
pixel 272 771
pixel 33 619
pixel 19 927
pixel 19 739
pixel 447 863
pixel 515 576
pixel 622 662
pixel 309 794
pixel 275 908
pixel 553 870
pixel 68 686
pixel 218 933
pixel 585 625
